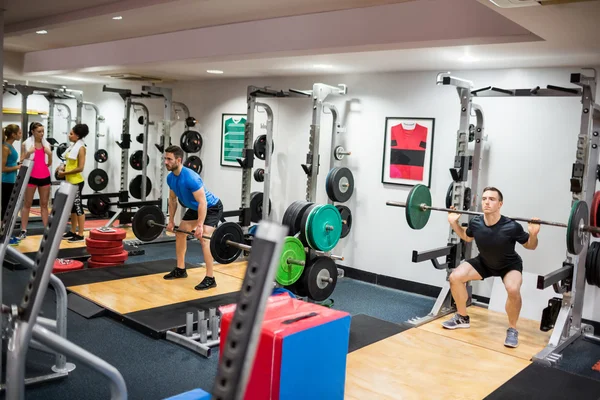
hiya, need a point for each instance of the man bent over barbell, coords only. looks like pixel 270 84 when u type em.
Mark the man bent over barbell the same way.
pixel 203 215
pixel 495 236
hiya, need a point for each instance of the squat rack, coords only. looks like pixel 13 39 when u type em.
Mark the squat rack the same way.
pixel 570 279
pixel 464 161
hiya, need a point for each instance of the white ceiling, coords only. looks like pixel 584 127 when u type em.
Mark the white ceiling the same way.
pixel 569 34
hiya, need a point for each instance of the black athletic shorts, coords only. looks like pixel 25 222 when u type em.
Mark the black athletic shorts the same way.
pixel 39 182
pixel 487 272
pixel 213 215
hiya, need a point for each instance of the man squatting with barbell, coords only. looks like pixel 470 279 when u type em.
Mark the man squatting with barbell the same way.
pixel 495 236
pixel 203 215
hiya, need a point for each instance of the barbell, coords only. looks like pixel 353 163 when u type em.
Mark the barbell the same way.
pixel 226 247
pixel 418 209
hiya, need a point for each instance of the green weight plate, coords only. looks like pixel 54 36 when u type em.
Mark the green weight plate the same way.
pixel 415 216
pixel 324 227
pixel 287 273
pixel 576 238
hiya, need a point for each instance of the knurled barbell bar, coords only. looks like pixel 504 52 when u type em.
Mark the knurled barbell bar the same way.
pixel 225 244
pixel 418 209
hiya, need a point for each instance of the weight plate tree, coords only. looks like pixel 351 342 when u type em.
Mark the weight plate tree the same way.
pixel 418 209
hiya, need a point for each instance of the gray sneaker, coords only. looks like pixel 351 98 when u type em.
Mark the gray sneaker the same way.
pixel 512 338
pixel 458 321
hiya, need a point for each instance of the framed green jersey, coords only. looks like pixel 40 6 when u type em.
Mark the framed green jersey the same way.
pixel 232 138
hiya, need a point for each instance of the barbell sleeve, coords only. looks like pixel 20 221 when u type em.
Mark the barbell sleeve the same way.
pixel 296 262
pixel 587 228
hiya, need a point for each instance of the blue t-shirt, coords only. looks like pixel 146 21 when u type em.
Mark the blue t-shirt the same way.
pixel 185 184
pixel 11 161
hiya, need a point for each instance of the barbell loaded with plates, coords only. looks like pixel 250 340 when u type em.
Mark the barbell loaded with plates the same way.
pixel 98 180
pixel 339 153
pixel 339 184
pixel 194 163
pixel 101 156
pixel 260 146
pixel 418 209
pixel 191 142
pixel 135 187
pixel 226 246
pixel 136 160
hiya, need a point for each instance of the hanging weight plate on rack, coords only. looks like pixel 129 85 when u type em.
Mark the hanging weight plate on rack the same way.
pixel 256 206
pixel 346 219
pixel 259 175
pixel 136 160
pixel 60 150
pixel 260 145
pixel 140 138
pixel 190 122
pixel 98 205
pixel 194 163
pixel 101 156
pixel 339 184
pixel 467 197
pixel 98 180
pixel 191 142
pixel 595 212
pixel 135 187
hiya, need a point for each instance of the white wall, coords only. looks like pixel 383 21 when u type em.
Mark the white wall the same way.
pixel 528 155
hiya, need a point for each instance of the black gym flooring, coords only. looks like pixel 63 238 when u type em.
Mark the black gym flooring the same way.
pixel 156 369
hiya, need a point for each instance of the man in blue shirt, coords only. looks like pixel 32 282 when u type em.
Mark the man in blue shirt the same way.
pixel 496 236
pixel 203 215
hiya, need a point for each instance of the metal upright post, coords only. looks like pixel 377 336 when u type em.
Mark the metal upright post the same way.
pixel 145 147
pixel 248 158
pixel 268 155
pixel 97 135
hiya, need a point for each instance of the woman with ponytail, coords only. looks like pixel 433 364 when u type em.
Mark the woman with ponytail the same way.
pixel 36 148
pixel 10 165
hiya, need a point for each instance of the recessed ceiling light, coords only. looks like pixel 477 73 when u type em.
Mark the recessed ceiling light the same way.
pixel 322 66
pixel 43 81
pixel 214 71
pixel 42 32
pixel 118 17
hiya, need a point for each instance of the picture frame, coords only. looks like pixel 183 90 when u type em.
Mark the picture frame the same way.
pixel 233 127
pixel 408 151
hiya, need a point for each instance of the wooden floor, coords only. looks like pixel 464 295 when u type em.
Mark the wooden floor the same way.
pixel 430 362
pixel 150 291
pixel 236 269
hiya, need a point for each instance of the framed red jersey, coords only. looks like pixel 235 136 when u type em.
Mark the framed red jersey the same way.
pixel 407 151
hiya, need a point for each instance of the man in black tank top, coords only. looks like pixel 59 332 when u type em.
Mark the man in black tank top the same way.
pixel 496 237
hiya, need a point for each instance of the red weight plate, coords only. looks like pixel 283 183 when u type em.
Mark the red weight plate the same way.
pixel 104 251
pixel 111 258
pixel 95 264
pixel 103 244
pixel 64 265
pixel 595 212
pixel 109 234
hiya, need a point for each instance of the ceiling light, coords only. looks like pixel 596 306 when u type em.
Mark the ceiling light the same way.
pixel 322 66
pixel 42 32
pixel 468 59
pixel 214 71
pixel 117 18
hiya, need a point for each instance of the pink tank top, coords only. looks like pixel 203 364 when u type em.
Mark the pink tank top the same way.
pixel 40 169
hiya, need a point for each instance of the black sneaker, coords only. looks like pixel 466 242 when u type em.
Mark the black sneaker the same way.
pixel 207 283
pixel 176 274
pixel 76 238
pixel 68 235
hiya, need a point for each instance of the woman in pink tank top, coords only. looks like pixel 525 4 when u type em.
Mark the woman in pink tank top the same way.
pixel 36 148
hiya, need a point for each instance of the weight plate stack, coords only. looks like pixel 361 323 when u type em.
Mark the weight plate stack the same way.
pixel 105 245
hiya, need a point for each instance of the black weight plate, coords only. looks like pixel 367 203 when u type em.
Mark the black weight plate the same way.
pixel 190 122
pixel 259 175
pixel 98 180
pixel 136 160
pixel 220 250
pixel 191 142
pixel 288 220
pixel 467 198
pixel 595 279
pixel 589 259
pixel 141 226
pixel 101 156
pixel 98 204
pixel 347 217
pixel 260 145
pixel 60 150
pixel 339 184
pixel 140 138
pixel 194 163
pixel 58 178
pixel 135 187
pixel 256 206
pixel 299 216
pixel 319 269
pixel 449 195
pixel 303 220
pixel 141 120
